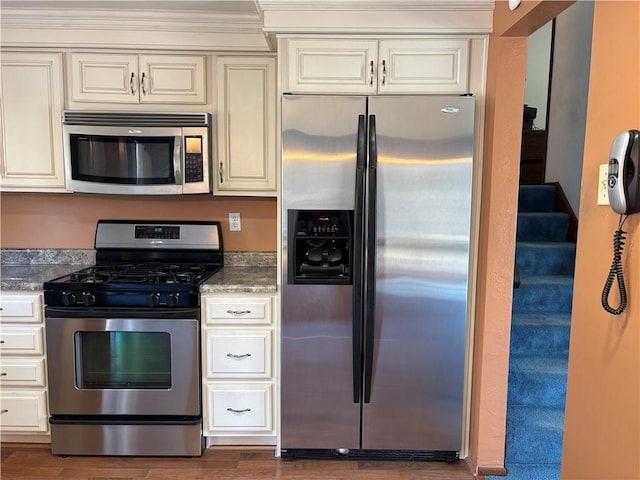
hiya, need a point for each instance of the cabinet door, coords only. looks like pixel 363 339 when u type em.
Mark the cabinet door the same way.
pixel 423 66
pixel 332 66
pixel 21 307
pixel 31 96
pixel 238 354
pixel 236 408
pixel 111 78
pixel 23 411
pixel 246 130
pixel 172 79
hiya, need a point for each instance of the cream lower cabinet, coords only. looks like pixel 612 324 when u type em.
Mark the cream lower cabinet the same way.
pixel 377 67
pixel 23 384
pixel 31 95
pixel 131 78
pixel 246 127
pixel 238 358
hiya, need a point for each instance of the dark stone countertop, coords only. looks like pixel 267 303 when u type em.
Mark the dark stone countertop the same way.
pixel 28 270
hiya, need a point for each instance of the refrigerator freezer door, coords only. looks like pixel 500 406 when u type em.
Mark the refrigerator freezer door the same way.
pixel 318 172
pixel 423 205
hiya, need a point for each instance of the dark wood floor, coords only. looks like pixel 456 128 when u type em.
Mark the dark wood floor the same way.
pixel 35 462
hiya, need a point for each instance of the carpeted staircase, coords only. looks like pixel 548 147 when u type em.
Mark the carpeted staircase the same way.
pixel 539 338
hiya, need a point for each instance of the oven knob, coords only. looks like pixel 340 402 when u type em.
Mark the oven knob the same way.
pixel 69 298
pixel 172 299
pixel 153 299
pixel 88 299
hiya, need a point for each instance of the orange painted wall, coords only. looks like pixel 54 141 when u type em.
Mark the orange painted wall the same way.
pixel 501 168
pixel 39 220
pixel 602 421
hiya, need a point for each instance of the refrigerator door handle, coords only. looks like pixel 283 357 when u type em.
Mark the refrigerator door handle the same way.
pixel 358 262
pixel 370 296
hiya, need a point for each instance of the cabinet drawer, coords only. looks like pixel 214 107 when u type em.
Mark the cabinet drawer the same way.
pixel 249 311
pixel 242 408
pixel 27 372
pixel 238 354
pixel 22 411
pixel 24 308
pixel 18 340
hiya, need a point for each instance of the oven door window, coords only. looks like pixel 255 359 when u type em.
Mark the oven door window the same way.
pixel 123 360
pixel 123 160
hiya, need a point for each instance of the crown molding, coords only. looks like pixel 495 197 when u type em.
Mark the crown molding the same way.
pixel 377 17
pixel 104 27
pixel 380 5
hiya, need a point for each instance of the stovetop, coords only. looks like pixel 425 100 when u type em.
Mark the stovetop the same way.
pixel 143 264
pixel 143 273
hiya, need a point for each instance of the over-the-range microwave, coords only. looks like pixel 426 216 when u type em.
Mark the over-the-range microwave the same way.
pixel 137 153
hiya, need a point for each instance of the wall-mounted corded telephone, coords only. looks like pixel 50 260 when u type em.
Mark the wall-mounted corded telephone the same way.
pixel 624 198
pixel 624 173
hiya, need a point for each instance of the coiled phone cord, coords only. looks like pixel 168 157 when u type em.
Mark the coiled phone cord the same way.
pixel 616 272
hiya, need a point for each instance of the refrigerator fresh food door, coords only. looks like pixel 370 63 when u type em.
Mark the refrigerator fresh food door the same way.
pixel 319 137
pixel 420 265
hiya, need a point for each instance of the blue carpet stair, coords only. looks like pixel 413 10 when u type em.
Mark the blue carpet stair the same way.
pixel 539 338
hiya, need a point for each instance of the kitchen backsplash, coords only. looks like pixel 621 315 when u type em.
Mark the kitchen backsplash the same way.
pixel 28 256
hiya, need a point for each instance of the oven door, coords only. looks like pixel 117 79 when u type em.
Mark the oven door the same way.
pixel 124 365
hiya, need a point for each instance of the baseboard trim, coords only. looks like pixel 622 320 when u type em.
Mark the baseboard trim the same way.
pixel 486 471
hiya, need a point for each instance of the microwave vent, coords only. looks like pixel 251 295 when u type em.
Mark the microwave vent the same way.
pixel 130 119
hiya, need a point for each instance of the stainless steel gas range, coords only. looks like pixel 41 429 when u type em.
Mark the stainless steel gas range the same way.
pixel 123 341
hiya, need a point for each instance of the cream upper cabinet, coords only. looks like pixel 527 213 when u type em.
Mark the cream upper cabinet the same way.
pixel 390 66
pixel 31 96
pixel 133 79
pixel 246 126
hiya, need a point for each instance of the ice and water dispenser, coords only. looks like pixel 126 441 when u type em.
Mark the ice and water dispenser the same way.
pixel 320 243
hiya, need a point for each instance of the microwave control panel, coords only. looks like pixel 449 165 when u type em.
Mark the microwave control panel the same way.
pixel 193 159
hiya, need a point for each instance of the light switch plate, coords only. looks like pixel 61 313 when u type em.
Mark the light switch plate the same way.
pixel 603 192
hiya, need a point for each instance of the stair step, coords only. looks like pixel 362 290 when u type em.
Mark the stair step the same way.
pixel 534 435
pixel 536 227
pixel 540 334
pixel 537 381
pixel 536 198
pixel 543 294
pixel 530 471
pixel 546 258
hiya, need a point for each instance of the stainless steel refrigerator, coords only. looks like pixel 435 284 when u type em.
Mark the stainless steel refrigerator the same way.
pixel 376 208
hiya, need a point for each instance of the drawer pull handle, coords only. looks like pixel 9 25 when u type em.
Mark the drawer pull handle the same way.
pixel 244 410
pixel 3 374
pixel 238 312
pixel 4 410
pixel 237 357
pixel 1 342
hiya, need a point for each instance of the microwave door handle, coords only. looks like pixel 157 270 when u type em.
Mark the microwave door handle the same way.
pixel 178 162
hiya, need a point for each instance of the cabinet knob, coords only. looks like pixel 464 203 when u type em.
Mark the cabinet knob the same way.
pixel 4 410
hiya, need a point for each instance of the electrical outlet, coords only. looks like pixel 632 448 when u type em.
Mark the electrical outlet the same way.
pixel 234 222
pixel 603 191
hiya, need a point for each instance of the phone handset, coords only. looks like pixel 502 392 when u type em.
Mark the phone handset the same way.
pixel 624 198
pixel 624 173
